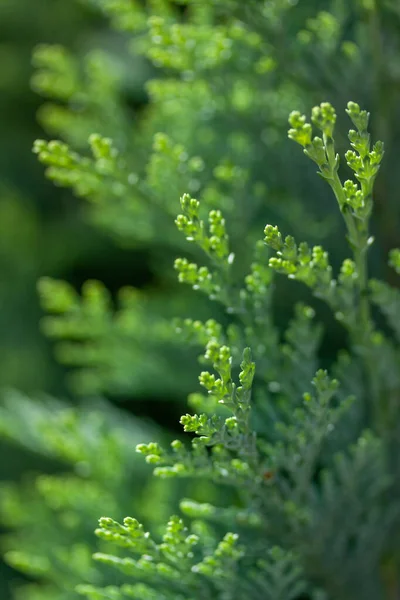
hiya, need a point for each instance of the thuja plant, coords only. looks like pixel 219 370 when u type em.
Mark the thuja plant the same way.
pixel 220 79
pixel 308 484
pixel 316 474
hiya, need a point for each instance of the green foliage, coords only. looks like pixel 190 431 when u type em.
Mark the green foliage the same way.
pixel 292 466
pixel 180 567
pixel 275 475
pixel 104 342
pixel 92 465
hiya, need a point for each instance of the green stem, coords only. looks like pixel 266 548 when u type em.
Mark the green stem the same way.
pixel 358 237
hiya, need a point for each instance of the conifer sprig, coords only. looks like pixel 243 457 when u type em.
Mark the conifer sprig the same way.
pixel 355 203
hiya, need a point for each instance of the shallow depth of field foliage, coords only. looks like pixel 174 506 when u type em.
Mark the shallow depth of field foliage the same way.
pixel 259 299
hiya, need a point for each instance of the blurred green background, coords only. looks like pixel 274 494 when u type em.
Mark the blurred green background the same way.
pixel 42 231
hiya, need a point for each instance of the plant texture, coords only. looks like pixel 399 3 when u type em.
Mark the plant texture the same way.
pixel 289 477
pixel 225 76
pixel 219 93
pixel 315 474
